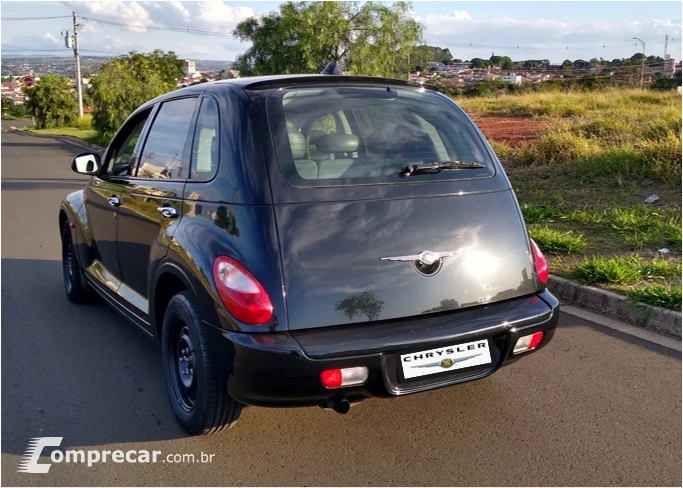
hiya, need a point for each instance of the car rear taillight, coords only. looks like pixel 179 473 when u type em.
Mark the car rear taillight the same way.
pixel 336 378
pixel 242 294
pixel 541 263
pixel 528 343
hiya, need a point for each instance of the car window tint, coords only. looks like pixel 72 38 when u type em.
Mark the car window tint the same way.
pixel 162 157
pixel 205 147
pixel 121 162
pixel 369 135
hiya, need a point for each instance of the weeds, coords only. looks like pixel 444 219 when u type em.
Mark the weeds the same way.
pixel 556 242
pixel 534 213
pixel 622 270
pixel 657 295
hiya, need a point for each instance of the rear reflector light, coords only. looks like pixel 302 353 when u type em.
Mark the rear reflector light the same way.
pixel 540 262
pixel 336 378
pixel 242 294
pixel 528 343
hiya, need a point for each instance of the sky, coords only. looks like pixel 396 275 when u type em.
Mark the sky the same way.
pixel 521 30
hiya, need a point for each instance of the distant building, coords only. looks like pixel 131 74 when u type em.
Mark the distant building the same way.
pixel 189 68
pixel 512 78
pixel 669 64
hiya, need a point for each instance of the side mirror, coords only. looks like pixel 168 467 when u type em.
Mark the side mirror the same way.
pixel 86 164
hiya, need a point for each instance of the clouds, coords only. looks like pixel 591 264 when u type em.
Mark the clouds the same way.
pixel 548 36
pixel 212 15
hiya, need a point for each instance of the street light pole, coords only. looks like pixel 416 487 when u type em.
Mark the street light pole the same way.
pixel 642 68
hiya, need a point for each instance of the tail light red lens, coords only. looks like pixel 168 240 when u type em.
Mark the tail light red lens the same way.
pixel 336 378
pixel 242 294
pixel 528 343
pixel 541 263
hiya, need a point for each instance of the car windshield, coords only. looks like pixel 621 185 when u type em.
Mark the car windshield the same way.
pixel 346 135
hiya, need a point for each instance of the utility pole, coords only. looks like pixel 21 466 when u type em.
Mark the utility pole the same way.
pixel 77 55
pixel 642 69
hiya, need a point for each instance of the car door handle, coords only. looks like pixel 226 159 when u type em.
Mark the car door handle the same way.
pixel 168 212
pixel 114 201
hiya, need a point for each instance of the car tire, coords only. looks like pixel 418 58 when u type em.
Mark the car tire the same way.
pixel 200 401
pixel 75 285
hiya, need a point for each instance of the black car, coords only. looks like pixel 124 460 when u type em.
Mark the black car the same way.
pixel 307 240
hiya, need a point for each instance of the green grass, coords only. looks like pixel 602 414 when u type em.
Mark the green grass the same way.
pixel 556 242
pixel 536 213
pixel 621 270
pixel 88 135
pixel 657 295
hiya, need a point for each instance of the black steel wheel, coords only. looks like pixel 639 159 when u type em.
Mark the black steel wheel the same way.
pixel 74 283
pixel 200 401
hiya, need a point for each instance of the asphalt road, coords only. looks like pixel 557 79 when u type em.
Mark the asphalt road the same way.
pixel 596 407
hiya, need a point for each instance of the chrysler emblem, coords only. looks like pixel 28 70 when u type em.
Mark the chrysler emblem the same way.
pixel 427 263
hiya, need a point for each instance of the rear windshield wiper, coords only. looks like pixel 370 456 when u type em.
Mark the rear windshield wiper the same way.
pixel 437 167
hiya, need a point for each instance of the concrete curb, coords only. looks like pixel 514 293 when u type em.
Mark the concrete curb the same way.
pixel 611 304
pixel 69 139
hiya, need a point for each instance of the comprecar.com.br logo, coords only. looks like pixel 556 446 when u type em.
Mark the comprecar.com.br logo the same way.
pixel 90 457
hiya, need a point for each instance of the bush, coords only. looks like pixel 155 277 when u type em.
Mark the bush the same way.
pixel 622 270
pixel 84 123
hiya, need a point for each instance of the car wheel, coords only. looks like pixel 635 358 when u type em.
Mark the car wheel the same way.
pixel 74 283
pixel 201 403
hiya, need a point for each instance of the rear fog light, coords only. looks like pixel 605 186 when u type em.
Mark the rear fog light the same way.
pixel 528 342
pixel 337 378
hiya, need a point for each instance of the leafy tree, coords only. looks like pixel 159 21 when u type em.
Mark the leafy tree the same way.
pixel 507 63
pixel 496 60
pixel 479 63
pixel 52 102
pixel 567 64
pixel 637 57
pixel 126 82
pixel 369 38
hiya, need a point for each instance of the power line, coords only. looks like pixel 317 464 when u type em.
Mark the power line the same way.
pixel 36 18
pixel 162 29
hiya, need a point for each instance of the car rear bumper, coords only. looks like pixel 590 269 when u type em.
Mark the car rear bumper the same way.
pixel 283 369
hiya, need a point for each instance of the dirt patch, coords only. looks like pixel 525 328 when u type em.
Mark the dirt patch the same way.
pixel 514 131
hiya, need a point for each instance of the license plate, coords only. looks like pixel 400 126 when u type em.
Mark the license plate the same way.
pixel 446 358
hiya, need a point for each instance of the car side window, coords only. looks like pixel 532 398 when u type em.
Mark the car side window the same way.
pixel 121 158
pixel 205 146
pixel 164 153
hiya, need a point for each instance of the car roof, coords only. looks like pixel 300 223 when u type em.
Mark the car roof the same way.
pixel 274 81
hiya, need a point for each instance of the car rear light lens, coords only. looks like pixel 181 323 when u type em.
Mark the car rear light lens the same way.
pixel 242 294
pixel 528 343
pixel 336 378
pixel 541 263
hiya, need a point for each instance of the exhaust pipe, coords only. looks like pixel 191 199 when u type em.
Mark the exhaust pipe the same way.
pixel 339 404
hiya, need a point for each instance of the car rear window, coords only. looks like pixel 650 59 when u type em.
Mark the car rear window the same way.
pixel 345 135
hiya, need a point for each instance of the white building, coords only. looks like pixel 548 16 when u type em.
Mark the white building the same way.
pixel 513 78
pixel 189 68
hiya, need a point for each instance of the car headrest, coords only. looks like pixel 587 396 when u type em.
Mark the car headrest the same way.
pixel 313 134
pixel 337 143
pixel 297 143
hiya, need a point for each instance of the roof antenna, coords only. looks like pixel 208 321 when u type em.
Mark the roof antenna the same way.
pixel 332 68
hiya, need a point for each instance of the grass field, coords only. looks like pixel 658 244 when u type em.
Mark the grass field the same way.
pixel 583 180
pixel 81 129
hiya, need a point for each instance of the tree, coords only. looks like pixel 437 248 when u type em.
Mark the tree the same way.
pixel 507 63
pixel 479 63
pixel 637 57
pixel 126 82
pixel 567 64
pixel 369 38
pixel 52 102
pixel 496 60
